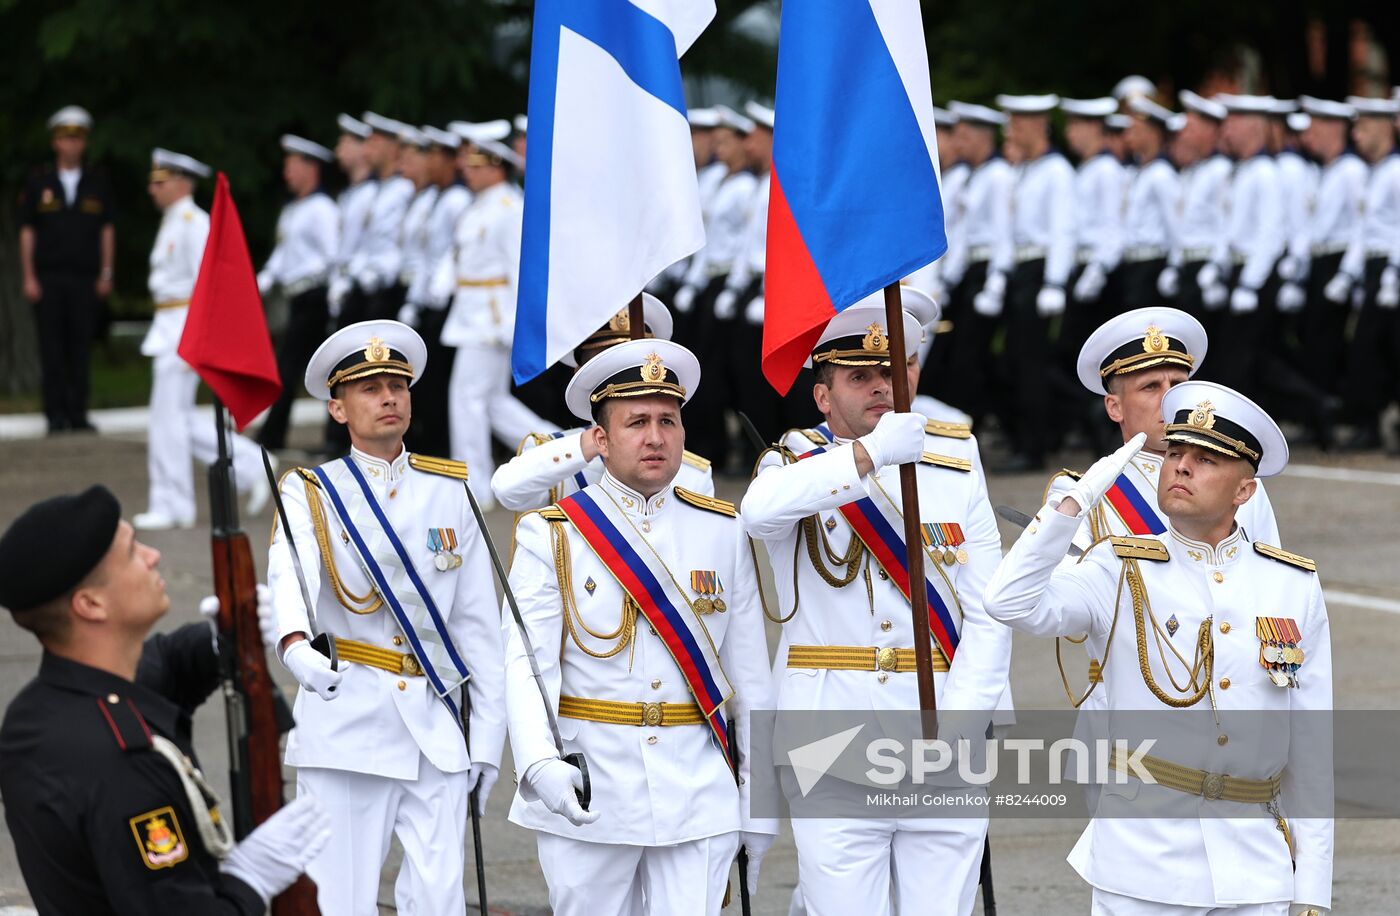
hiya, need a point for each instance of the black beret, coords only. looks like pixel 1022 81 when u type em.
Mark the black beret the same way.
pixel 54 545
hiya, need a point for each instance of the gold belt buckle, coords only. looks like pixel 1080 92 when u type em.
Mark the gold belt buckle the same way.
pixel 1214 786
pixel 651 714
pixel 885 659
pixel 410 666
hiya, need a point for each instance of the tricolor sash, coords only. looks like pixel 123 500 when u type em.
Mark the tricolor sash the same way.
pixel 611 536
pixel 1135 508
pixel 878 525
pixel 391 570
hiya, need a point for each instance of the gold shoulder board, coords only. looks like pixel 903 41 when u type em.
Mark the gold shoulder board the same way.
pixel 944 461
pixel 708 503
pixel 1140 548
pixel 306 474
pixel 443 466
pixel 553 514
pixel 695 461
pixel 1283 556
pixel 949 430
pixel 811 435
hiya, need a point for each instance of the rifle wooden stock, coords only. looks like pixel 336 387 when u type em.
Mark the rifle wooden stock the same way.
pixel 252 700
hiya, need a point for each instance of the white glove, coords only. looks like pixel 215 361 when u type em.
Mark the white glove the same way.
pixel 264 282
pixel 1290 269
pixel 897 439
pixel 1388 296
pixel 726 304
pixel 1169 283
pixel 988 301
pixel 1208 275
pixel 482 778
pixel 1050 301
pixel 1291 298
pixel 1244 300
pixel 312 670
pixel 276 853
pixel 408 314
pixel 1214 295
pixel 757 846
pixel 1091 283
pixel 555 782
pixel 753 312
pixel 267 617
pixel 1337 288
pixel 1089 489
pixel 367 280
pixel 684 299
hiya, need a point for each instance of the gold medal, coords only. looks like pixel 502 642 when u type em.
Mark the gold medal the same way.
pixel 962 556
pixel 720 606
pixel 704 606
pixel 1278 677
pixel 949 557
pixel 456 560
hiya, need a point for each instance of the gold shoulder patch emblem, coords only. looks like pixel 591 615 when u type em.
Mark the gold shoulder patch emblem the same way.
pixel 948 430
pixel 158 838
pixel 708 503
pixel 553 514
pixel 695 461
pixel 946 461
pixel 1283 556
pixel 445 467
pixel 1140 548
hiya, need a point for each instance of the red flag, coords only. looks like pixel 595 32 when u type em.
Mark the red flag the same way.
pixel 226 339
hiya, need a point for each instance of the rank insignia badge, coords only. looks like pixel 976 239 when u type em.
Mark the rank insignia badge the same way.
pixel 1172 625
pixel 443 543
pixel 1280 649
pixel 590 586
pixel 944 541
pixel 707 584
pixel 158 838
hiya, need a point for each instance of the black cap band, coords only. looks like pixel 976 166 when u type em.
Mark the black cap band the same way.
pixel 1152 349
pixel 1200 425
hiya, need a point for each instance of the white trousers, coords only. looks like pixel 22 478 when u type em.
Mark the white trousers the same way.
pixel 1106 904
pixel 869 865
pixel 428 815
pixel 479 404
pixel 178 432
pixel 606 879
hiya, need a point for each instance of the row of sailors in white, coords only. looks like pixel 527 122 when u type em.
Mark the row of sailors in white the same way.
pixel 1247 209
pixel 733 155
pixel 453 246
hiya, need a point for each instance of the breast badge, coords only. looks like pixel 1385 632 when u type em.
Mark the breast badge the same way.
pixel 1280 649
pixel 158 838
pixel 443 543
pixel 707 584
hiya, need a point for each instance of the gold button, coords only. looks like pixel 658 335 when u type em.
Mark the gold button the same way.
pixel 885 625
pixel 556 459
pixel 651 740
pixel 113 699
pixel 403 685
pixel 398 640
pixel 833 492
pixel 882 677
pixel 1223 740
pixel 1224 683
pixel 1032 529
pixel 1225 627
pixel 393 493
pixel 656 683
pixel 845 486
pixel 884 575
pixel 646 526
pixel 1218 576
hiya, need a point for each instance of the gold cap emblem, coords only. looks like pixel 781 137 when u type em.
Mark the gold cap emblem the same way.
pixel 376 351
pixel 1203 417
pixel 1154 341
pixel 653 370
pixel 875 340
pixel 620 322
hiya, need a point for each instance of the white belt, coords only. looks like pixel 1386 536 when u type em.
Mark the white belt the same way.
pixel 303 284
pixel 1135 253
pixel 979 253
pixel 1377 253
pixel 1322 249
pixel 1084 255
pixel 1029 252
pixel 1199 253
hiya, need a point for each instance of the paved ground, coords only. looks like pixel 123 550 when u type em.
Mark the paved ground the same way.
pixel 1343 513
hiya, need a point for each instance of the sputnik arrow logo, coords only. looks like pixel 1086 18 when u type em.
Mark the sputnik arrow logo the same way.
pixel 811 761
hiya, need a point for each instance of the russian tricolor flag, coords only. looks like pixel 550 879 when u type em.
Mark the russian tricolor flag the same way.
pixel 611 198
pixel 854 204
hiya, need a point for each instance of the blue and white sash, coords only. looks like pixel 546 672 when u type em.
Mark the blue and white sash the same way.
pixel 390 568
